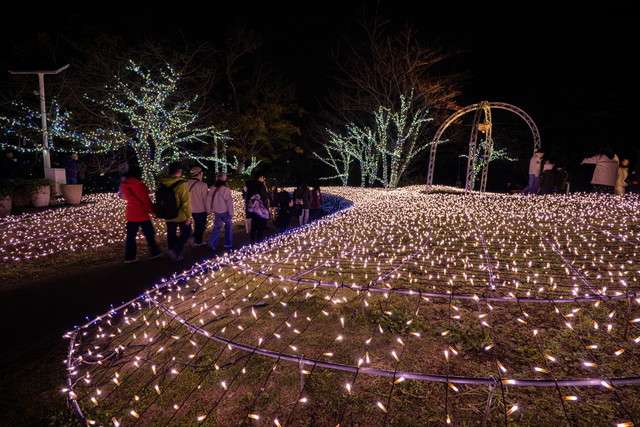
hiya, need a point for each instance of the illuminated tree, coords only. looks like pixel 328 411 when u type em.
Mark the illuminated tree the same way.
pixel 397 76
pixel 365 150
pixel 156 125
pixel 398 135
pixel 246 169
pixel 24 128
pixel 383 151
pixel 375 66
pixel 338 156
pixel 146 116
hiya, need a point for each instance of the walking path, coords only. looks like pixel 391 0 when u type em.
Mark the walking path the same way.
pixel 34 318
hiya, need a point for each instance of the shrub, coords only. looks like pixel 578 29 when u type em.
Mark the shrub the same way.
pixel 6 188
pixel 22 189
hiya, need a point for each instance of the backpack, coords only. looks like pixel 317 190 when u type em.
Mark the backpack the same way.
pixel 255 205
pixel 166 206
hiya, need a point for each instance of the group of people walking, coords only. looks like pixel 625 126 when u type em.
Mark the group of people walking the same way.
pixel 277 205
pixel 195 201
pixel 610 175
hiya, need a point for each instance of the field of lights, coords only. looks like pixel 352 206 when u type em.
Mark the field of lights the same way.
pixel 97 222
pixel 403 309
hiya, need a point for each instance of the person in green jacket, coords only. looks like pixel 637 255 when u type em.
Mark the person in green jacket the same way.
pixel 183 220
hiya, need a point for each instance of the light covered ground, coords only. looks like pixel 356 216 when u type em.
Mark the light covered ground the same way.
pixel 98 221
pixel 404 309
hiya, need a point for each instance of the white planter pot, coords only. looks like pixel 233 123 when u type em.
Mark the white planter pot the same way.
pixel 5 206
pixel 72 193
pixel 41 197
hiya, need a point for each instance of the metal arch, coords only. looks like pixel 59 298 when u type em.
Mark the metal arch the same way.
pixel 436 141
pixel 462 112
pixel 471 159
pixel 534 129
pixel 487 148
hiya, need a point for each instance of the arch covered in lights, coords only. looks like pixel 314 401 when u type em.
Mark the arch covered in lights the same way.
pixel 481 123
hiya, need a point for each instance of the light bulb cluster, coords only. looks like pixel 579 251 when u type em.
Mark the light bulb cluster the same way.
pixel 364 314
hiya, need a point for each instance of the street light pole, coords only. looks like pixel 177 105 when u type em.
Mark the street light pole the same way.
pixel 46 156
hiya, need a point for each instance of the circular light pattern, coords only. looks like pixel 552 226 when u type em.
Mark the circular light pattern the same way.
pixel 492 308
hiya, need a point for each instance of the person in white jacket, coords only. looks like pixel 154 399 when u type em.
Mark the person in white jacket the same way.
pixel 606 171
pixel 220 203
pixel 198 191
pixel 535 165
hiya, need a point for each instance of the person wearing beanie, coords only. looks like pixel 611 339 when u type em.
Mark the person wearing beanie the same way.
pixel 182 222
pixel 198 191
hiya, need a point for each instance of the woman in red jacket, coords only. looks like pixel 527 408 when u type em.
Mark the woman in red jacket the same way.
pixel 138 214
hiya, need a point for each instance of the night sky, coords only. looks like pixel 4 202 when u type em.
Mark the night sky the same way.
pixel 573 73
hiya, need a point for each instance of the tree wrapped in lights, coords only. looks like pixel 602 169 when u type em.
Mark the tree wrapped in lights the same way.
pixel 398 133
pixel 26 126
pixel 385 151
pixel 156 125
pixel 365 150
pixel 146 115
pixel 25 133
pixel 375 65
pixel 235 164
pixel 338 156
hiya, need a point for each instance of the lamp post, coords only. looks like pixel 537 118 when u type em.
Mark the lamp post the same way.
pixel 46 158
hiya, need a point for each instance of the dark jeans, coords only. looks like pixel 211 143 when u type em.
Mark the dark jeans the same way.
pixel 175 242
pixel 130 247
pixel 257 228
pixel 199 225
pixel 315 214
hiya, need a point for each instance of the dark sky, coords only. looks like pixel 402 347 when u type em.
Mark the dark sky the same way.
pixel 504 42
pixel 561 68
